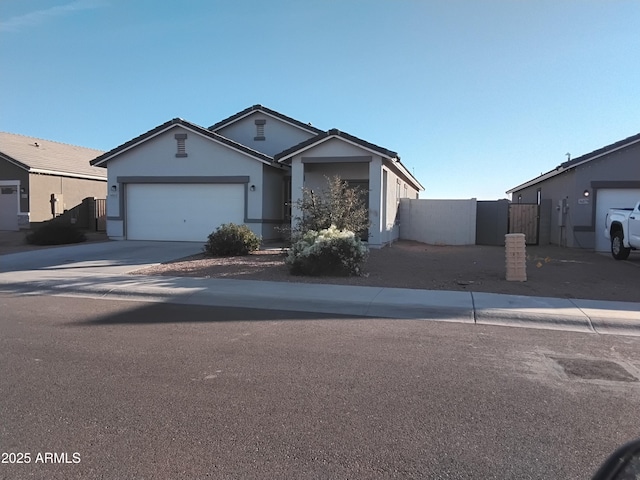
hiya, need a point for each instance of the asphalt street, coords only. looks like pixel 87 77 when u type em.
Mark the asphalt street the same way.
pixel 156 390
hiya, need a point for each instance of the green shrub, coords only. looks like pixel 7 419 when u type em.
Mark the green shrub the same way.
pixel 230 240
pixel 55 233
pixel 328 252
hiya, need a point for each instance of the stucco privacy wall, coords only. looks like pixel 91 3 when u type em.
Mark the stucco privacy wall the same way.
pixel 157 158
pixel 278 135
pixel 438 222
pixel 72 190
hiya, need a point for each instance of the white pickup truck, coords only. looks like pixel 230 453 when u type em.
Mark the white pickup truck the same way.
pixel 622 227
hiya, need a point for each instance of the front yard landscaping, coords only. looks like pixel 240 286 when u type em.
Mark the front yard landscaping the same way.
pixel 552 271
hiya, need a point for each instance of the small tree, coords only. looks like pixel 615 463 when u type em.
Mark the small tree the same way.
pixel 337 204
pixel 326 238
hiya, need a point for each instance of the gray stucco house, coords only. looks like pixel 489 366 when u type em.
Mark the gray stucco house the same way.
pixel 180 181
pixel 575 196
pixel 33 171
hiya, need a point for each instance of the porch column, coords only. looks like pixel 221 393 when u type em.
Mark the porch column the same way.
pixel 375 202
pixel 297 182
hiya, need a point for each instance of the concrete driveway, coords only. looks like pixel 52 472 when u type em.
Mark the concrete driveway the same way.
pixel 105 257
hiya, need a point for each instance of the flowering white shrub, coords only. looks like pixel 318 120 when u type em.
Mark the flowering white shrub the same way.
pixel 327 252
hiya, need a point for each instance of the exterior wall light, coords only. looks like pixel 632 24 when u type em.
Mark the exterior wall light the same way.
pixel 252 188
pixel 586 193
pixel 114 188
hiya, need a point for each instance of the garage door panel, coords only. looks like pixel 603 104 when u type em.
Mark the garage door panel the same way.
pixel 181 212
pixel 611 198
pixel 9 207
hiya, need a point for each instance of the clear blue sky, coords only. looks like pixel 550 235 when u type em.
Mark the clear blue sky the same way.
pixel 476 96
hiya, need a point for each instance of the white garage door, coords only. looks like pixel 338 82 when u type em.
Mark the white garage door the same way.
pixel 9 207
pixel 611 198
pixel 181 212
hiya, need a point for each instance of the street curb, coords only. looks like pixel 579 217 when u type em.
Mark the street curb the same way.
pixel 616 318
pixel 536 312
pixel 586 316
pixel 316 298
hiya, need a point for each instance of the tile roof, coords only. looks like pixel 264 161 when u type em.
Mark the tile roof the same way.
pixel 334 132
pixel 45 156
pixel 102 159
pixel 256 108
pixel 575 162
pixel 600 151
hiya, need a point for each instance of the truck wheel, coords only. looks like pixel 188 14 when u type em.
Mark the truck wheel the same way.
pixel 618 249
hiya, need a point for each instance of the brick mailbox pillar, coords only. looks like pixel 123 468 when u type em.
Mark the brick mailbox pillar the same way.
pixel 516 257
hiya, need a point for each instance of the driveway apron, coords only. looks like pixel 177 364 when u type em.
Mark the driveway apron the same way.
pixel 112 258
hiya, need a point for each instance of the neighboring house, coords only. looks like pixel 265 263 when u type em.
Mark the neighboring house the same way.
pixel 577 194
pixel 33 172
pixel 179 181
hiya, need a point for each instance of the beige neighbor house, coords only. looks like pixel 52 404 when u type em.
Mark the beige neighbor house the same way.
pixel 180 181
pixel 40 179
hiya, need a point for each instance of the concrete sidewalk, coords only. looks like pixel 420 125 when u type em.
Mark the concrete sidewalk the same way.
pixel 590 316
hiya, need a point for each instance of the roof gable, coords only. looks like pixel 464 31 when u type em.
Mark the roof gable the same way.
pixel 307 127
pixel 334 133
pixel 391 156
pixel 37 155
pixel 103 159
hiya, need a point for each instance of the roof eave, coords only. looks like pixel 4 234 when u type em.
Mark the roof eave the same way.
pixel 570 165
pixel 17 163
pixel 538 179
pixel 198 130
pixel 59 173
pixel 325 136
pixel 409 175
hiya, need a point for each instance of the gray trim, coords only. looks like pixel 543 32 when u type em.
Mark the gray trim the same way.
pixel 239 179
pixel 186 179
pixel 615 184
pixel 182 148
pixel 259 130
pixel 266 220
pixel 353 159
pixel 595 186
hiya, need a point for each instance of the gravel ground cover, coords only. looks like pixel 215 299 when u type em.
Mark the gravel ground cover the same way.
pixel 552 271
